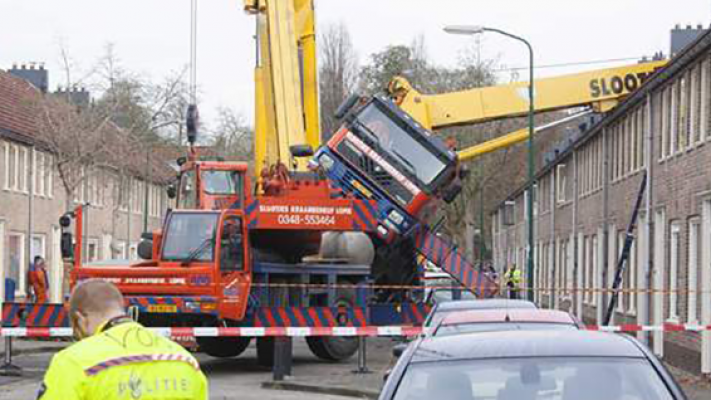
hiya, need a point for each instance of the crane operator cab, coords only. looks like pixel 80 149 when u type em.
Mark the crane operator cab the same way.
pixel 380 153
pixel 211 185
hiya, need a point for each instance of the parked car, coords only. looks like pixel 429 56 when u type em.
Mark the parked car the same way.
pixel 441 288
pixel 505 320
pixel 441 310
pixel 530 365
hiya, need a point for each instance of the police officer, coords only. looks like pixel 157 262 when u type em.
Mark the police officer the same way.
pixel 117 358
pixel 512 277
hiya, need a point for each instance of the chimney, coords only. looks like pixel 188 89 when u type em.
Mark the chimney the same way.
pixel 39 77
pixel 76 95
pixel 682 37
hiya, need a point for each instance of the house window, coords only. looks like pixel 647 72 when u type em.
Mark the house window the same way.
pixel 695 109
pixel 133 252
pixel 677 117
pixel 15 171
pixel 9 166
pixel 92 250
pixel 15 261
pixel 634 143
pixel 632 279
pixel 624 150
pixel 594 271
pixel 585 251
pixel 694 266
pixel 704 101
pixel 664 114
pixel 621 298
pixel 38 176
pixel 38 247
pixel 118 250
pixel 674 238
pixel 641 124
pixel 23 169
pixel 685 85
pixel 560 182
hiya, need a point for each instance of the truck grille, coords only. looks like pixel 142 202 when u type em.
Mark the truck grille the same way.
pixel 382 178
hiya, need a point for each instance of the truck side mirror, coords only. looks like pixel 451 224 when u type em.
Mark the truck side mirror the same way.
pixel 301 150
pixel 67 245
pixel 346 106
pixel 452 191
pixel 145 249
pixel 172 191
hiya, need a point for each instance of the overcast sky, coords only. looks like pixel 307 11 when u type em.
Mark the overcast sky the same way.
pixel 151 37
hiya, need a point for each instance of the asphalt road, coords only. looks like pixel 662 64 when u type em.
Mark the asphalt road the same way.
pixel 238 378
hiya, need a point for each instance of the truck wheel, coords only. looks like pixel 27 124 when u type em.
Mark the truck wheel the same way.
pixel 265 351
pixel 335 348
pixel 332 348
pixel 223 347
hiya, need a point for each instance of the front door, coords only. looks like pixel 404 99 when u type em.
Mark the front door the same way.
pixel 234 271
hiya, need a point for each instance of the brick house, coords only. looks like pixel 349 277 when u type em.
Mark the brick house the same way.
pixel 32 197
pixel 584 202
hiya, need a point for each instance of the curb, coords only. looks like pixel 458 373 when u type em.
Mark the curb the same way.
pixel 310 388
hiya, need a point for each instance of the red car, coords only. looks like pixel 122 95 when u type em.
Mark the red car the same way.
pixel 506 320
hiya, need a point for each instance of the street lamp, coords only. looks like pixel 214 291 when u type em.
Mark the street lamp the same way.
pixel 476 30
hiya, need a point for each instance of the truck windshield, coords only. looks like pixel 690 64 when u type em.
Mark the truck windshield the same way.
pixel 396 140
pixel 221 182
pixel 188 234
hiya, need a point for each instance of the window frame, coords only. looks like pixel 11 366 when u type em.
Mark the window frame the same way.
pixel 674 253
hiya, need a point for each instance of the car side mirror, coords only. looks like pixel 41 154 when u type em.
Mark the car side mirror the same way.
pixel 398 349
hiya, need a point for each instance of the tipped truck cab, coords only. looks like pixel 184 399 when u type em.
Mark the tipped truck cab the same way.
pixel 380 153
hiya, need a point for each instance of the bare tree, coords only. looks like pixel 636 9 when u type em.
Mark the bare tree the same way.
pixel 233 137
pixel 338 74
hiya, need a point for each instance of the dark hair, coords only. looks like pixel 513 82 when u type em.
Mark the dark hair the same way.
pixel 38 259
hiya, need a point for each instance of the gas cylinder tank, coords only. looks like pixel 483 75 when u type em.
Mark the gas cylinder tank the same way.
pixel 355 247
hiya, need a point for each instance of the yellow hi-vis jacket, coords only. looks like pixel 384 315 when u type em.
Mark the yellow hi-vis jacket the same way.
pixel 126 361
pixel 513 277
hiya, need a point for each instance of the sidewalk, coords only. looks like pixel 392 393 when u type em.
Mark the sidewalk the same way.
pixel 340 378
pixel 695 387
pixel 30 346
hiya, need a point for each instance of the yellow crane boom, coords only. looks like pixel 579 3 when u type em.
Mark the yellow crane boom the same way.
pixel 600 89
pixel 286 88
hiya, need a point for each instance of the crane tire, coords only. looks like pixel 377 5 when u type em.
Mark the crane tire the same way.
pixel 223 347
pixel 335 348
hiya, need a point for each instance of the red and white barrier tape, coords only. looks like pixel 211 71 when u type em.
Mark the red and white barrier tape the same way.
pixel 251 331
pixel 328 331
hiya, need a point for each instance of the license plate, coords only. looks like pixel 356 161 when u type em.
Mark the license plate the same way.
pixel 163 308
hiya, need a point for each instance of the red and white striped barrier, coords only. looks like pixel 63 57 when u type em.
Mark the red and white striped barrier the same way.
pixel 371 331
pixel 368 331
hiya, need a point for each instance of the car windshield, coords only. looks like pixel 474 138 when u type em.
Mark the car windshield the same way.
pixel 396 140
pixel 190 235
pixel 550 378
pixel 221 182
pixel 456 329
